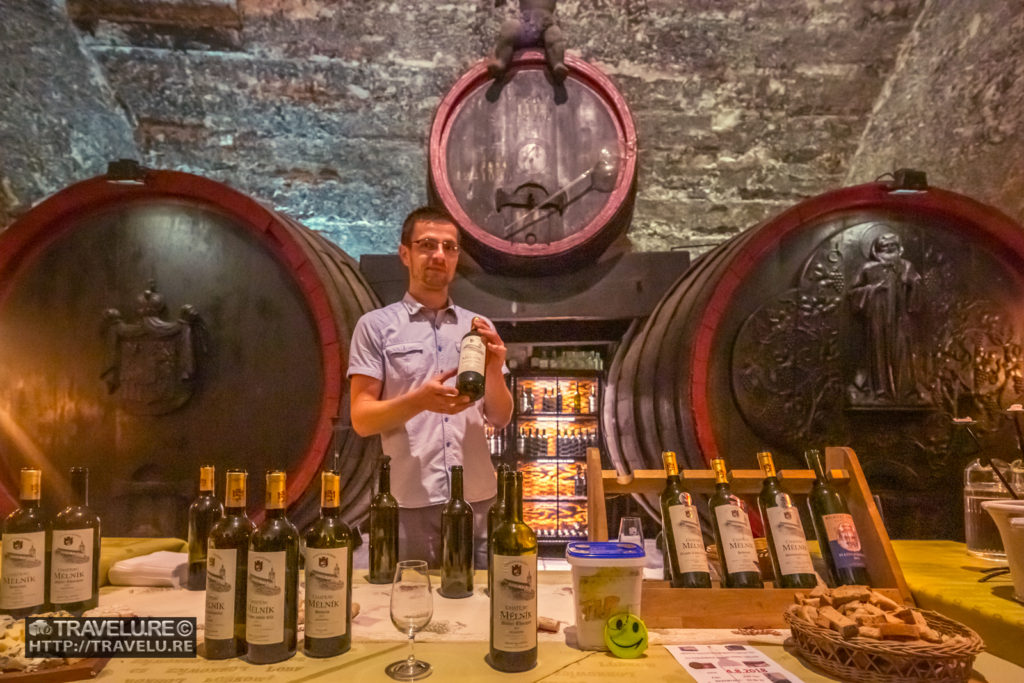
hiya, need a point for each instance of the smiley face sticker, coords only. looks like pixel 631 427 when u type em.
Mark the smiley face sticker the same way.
pixel 625 635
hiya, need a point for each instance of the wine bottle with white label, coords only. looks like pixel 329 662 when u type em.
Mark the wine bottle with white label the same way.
pixel 733 536
pixel 787 545
pixel 837 534
pixel 26 561
pixel 687 559
pixel 328 576
pixel 203 513
pixel 75 551
pixel 271 613
pixel 513 637
pixel 227 560
pixel 472 359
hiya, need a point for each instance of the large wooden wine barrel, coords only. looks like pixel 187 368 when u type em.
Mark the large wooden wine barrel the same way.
pixel 159 321
pixel 540 176
pixel 864 317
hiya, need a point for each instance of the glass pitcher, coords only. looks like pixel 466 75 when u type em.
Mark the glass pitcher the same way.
pixel 981 484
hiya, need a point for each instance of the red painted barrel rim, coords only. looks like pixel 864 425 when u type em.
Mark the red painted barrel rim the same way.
pixel 28 236
pixel 990 222
pixel 621 195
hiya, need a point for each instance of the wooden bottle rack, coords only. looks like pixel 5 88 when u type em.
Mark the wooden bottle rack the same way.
pixel 666 607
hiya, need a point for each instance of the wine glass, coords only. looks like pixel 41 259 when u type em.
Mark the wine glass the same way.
pixel 411 609
pixel 630 531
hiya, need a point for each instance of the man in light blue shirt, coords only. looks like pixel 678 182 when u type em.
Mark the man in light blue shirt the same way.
pixel 402 362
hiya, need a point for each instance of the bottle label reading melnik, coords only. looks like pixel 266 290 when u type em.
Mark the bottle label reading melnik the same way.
pixel 843 541
pixel 23 583
pixel 688 539
pixel 264 612
pixel 788 536
pixel 737 538
pixel 71 565
pixel 472 354
pixel 515 602
pixel 326 592
pixel 221 565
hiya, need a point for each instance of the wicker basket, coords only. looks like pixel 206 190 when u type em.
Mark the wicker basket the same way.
pixel 866 659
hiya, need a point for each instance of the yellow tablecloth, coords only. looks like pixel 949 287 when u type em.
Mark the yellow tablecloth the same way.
pixel 944 578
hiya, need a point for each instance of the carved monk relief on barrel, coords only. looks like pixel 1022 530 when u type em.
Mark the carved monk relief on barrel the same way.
pixel 886 298
pixel 151 363
pixel 887 318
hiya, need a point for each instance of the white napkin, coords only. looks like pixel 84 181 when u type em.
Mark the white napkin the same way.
pixel 162 568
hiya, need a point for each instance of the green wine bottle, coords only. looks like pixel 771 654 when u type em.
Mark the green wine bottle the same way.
pixel 383 528
pixel 733 536
pixel 271 614
pixel 513 632
pixel 203 513
pixel 837 534
pixel 787 545
pixel 495 516
pixel 328 576
pixel 75 555
pixel 26 559
pixel 472 362
pixel 456 542
pixel 687 559
pixel 227 562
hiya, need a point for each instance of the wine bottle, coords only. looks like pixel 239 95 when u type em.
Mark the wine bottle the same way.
pixel 328 576
pixel 227 562
pixel 495 516
pixel 687 559
pixel 513 632
pixel 787 545
pixel 733 536
pixel 456 542
pixel 472 359
pixel 271 613
pixel 833 524
pixel 75 555
pixel 26 560
pixel 577 400
pixel 203 513
pixel 383 528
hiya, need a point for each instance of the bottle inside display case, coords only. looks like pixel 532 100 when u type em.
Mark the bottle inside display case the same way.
pixel 556 395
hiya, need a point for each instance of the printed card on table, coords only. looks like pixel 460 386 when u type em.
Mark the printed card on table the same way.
pixel 729 663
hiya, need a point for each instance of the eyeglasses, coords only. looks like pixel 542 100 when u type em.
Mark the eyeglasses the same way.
pixel 428 245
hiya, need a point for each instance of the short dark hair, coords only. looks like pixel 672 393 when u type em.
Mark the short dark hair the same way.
pixel 424 214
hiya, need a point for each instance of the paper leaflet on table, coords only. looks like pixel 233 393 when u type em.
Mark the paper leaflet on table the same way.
pixel 729 663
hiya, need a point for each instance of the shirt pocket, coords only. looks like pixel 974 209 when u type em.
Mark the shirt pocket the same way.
pixel 407 361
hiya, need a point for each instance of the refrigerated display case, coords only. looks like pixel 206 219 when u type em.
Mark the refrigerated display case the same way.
pixel 554 421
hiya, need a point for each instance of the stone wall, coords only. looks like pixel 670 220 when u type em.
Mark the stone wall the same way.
pixel 323 107
pixel 59 119
pixel 954 106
